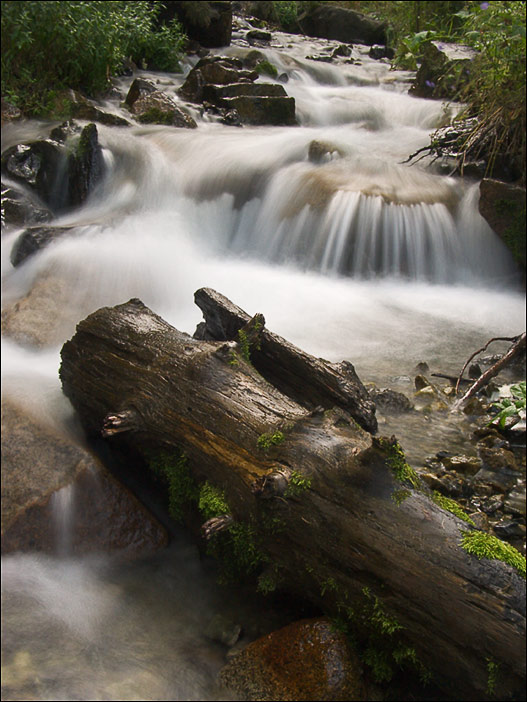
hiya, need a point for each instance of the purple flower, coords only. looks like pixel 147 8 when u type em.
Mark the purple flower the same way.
pixel 430 83
pixel 484 5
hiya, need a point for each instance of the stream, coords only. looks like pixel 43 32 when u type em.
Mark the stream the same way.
pixel 359 257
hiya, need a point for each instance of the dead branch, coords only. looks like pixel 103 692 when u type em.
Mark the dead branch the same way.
pixel 514 350
pixel 476 353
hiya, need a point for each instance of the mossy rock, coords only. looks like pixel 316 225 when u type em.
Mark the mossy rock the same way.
pixel 266 68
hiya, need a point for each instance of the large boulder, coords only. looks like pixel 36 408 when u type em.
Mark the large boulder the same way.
pixel 138 89
pixel 209 23
pixel 70 103
pixel 61 178
pixel 58 497
pixel 503 206
pixel 444 69
pixel 85 166
pixel 214 70
pixel 217 93
pixel 20 208
pixel 307 660
pixel 158 108
pixel 32 240
pixel 39 167
pixel 332 22
pixel 45 316
pixel 276 111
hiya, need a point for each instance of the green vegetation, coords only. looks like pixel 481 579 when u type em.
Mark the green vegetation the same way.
pixel 377 636
pixel 245 348
pixel 236 548
pixel 155 115
pixel 510 406
pixel 451 506
pixel 396 460
pixel 287 13
pixel 297 485
pixel 514 234
pixel 399 496
pixel 266 441
pixel 173 469
pixel 494 88
pixel 493 670
pixel 266 68
pixel 484 545
pixel 212 502
pixel 51 46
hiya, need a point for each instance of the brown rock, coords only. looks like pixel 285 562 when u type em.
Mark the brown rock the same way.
pixel 306 660
pixel 158 108
pixel 48 481
pixel 503 206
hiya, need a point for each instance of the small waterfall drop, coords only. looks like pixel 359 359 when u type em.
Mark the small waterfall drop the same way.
pixel 349 252
pixel 63 515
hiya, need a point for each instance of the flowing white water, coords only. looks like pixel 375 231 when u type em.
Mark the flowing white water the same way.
pixel 356 256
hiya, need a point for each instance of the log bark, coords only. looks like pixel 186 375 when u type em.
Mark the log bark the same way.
pixel 127 369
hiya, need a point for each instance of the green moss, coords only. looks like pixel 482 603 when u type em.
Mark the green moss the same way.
pixel 154 115
pixel 328 584
pixel 297 485
pixel 396 460
pixel 376 635
pixel 514 234
pixel 244 345
pixel 266 441
pixel 451 506
pixel 484 545
pixel 237 548
pixel 266 68
pixel 268 581
pixel 212 502
pixel 173 469
pixel 493 669
pixel 399 496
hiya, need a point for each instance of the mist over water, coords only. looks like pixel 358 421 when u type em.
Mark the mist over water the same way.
pixel 352 256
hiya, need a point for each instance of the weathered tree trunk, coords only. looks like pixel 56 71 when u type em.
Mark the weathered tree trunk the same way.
pixel 127 371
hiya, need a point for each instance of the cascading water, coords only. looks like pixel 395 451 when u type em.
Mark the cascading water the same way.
pixel 348 252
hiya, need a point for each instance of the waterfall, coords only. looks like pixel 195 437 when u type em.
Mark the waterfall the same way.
pixel 347 250
pixel 62 514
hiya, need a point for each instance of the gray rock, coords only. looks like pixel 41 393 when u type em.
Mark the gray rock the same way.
pixel 139 88
pixel 277 111
pixel 158 108
pixel 258 35
pixel 19 208
pixel 443 71
pixel 33 240
pixel 39 470
pixel 332 22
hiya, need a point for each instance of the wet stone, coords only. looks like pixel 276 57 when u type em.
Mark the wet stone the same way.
pixel 462 464
pixel 306 660
pixel 509 529
pixel 224 630
pixel 493 504
pixel 515 502
pixel 499 480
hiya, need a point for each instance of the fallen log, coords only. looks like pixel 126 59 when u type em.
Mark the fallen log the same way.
pixel 337 514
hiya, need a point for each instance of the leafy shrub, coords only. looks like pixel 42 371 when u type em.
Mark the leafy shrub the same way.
pixel 79 45
pixel 510 406
pixel 287 13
